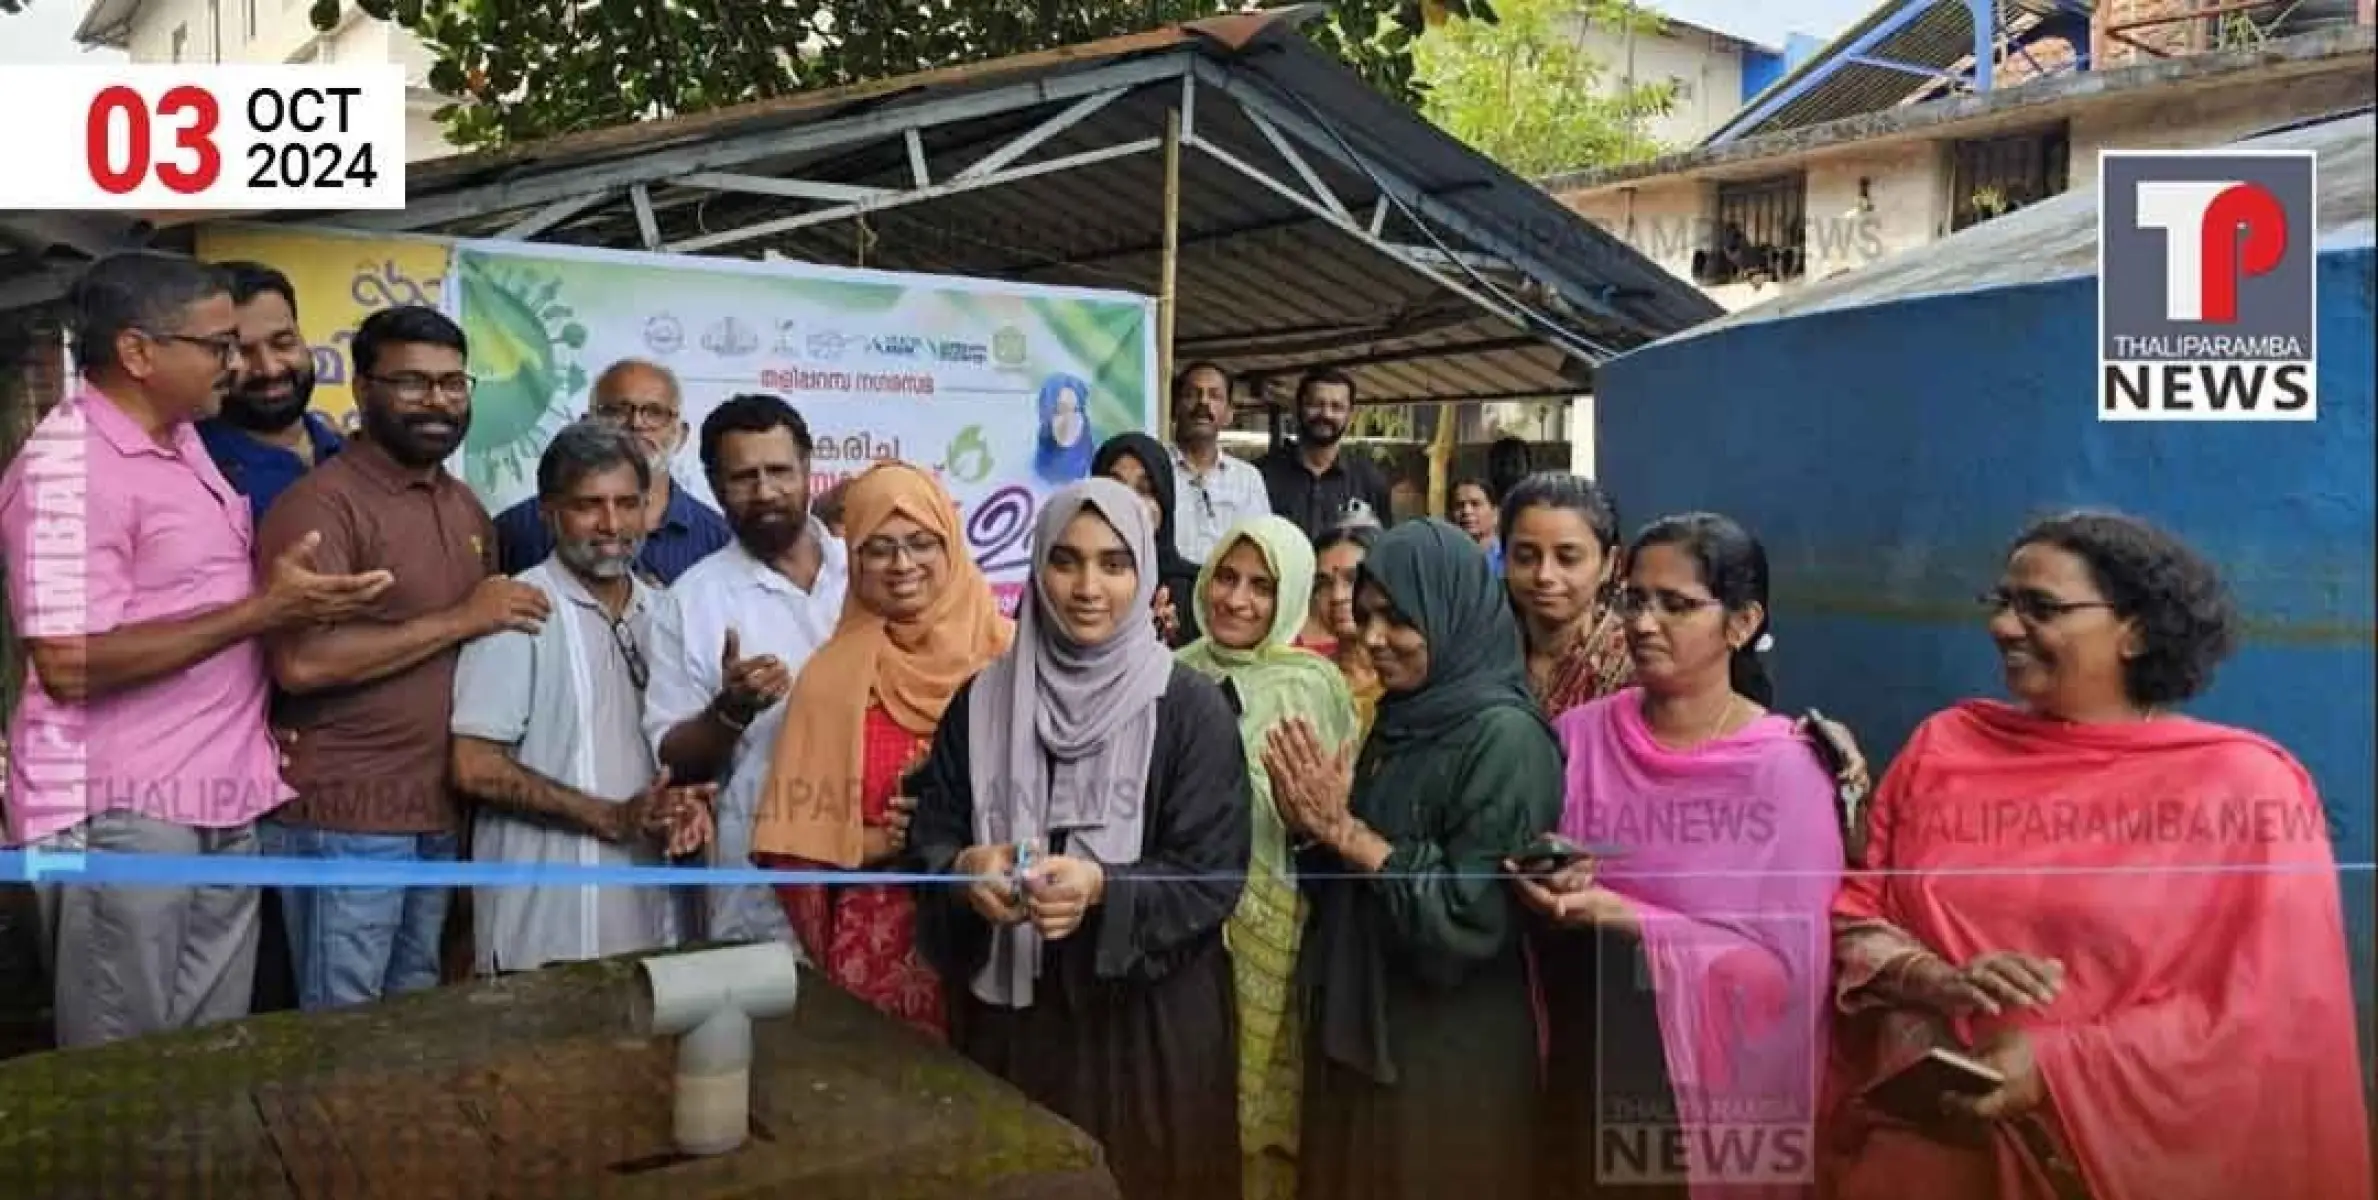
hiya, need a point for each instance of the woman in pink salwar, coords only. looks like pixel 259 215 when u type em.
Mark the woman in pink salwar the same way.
pixel 1684 969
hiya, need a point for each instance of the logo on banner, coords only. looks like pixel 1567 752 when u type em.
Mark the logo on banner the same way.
pixel 663 335
pixel 2207 292
pixel 961 352
pixel 897 345
pixel 730 338
pixel 1007 346
pixel 827 345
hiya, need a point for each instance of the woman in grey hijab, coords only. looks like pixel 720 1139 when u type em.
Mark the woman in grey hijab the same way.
pixel 1090 799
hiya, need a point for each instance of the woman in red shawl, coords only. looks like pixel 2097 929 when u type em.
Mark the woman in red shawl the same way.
pixel 2131 915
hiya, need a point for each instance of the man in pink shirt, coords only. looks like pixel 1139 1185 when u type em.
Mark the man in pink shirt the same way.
pixel 142 728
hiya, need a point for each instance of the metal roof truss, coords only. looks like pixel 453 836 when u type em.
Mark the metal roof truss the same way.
pixel 1432 241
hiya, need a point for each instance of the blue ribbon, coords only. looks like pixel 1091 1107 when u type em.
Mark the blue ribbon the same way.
pixel 242 870
pixel 118 868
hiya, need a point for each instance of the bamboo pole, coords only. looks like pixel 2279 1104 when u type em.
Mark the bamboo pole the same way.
pixel 1167 295
pixel 1440 457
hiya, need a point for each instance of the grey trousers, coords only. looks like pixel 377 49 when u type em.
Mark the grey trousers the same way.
pixel 131 961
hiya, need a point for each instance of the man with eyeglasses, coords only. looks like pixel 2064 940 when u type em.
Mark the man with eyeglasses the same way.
pixel 369 701
pixel 643 399
pixel 548 728
pixel 1213 489
pixel 142 728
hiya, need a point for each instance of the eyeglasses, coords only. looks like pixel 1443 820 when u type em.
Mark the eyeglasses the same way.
pixel 645 415
pixel 1628 603
pixel 639 672
pixel 2033 608
pixel 884 551
pixel 413 386
pixel 224 346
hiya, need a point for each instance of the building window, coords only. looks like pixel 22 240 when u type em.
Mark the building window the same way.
pixel 1683 88
pixel 181 41
pixel 1758 234
pixel 1990 177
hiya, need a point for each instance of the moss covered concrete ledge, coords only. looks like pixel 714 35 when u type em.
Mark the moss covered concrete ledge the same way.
pixel 527 1087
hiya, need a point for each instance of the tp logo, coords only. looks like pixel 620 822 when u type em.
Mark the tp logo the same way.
pixel 2206 285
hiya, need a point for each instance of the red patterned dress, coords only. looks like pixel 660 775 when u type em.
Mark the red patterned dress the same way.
pixel 863 936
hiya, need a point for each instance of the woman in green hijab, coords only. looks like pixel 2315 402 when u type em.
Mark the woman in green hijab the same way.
pixel 1421 1078
pixel 1251 599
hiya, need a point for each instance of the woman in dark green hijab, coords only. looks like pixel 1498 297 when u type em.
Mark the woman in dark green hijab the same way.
pixel 1421 1079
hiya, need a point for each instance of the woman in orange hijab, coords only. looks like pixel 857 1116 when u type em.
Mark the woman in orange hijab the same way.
pixel 920 620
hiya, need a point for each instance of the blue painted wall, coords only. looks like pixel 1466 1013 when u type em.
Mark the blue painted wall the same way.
pixel 1760 68
pixel 1886 454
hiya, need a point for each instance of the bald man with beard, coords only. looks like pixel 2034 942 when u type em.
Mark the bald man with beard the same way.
pixel 643 399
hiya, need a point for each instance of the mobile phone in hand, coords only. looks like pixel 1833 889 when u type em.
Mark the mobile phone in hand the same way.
pixel 1549 854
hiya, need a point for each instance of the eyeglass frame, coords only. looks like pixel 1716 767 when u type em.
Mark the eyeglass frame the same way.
pixel 1629 602
pixel 225 345
pixel 2035 608
pixel 413 387
pixel 920 548
pixel 635 414
pixel 624 640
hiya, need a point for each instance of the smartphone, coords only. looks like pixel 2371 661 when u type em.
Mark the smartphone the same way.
pixel 1913 1092
pixel 1551 852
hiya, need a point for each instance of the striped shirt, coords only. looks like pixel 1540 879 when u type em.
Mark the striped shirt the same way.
pixel 1206 506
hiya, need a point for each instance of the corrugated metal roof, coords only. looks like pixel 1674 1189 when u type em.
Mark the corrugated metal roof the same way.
pixel 1938 36
pixel 1263 285
pixel 2057 238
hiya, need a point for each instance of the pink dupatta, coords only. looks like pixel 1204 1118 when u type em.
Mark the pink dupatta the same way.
pixel 1732 860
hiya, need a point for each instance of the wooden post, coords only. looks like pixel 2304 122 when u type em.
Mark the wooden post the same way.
pixel 1440 457
pixel 1167 295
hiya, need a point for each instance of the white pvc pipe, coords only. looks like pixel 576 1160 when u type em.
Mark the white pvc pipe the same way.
pixel 707 1000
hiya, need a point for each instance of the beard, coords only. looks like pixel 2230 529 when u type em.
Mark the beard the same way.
pixel 593 562
pixel 1319 431
pixel 408 439
pixel 772 528
pixel 252 407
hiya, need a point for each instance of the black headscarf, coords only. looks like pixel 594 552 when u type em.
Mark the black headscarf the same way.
pixel 1438 578
pixel 1176 573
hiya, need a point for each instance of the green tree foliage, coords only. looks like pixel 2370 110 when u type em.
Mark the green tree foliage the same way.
pixel 525 69
pixel 1526 92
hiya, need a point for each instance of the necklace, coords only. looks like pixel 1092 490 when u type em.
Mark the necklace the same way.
pixel 1716 726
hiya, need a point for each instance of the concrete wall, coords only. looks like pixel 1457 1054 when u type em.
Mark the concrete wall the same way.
pixel 1707 68
pixel 1885 455
pixel 1666 217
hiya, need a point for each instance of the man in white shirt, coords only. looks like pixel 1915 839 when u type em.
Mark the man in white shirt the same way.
pixel 731 634
pixel 548 728
pixel 1212 490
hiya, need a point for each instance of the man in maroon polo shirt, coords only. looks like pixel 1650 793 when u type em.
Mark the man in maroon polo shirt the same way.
pixel 369 701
